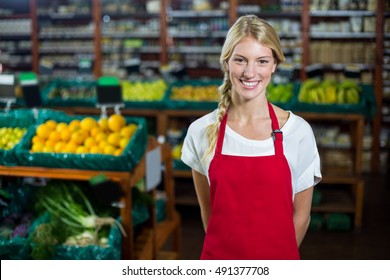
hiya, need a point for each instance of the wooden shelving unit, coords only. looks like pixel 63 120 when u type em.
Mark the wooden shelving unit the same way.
pixel 146 245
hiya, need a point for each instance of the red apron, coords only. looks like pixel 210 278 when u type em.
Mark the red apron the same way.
pixel 251 204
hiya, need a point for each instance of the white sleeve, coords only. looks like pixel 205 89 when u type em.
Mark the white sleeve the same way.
pixel 189 154
pixel 309 169
pixel 194 146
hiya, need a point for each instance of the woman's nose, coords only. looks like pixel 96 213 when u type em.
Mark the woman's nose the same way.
pixel 249 70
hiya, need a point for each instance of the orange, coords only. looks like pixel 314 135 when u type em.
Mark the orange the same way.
pixel 116 122
pixel 54 136
pixel 61 126
pixel 114 138
pixel 103 123
pixel 59 147
pixel 70 147
pixel 37 147
pixel 118 152
pixel 128 130
pixel 78 137
pixel 109 150
pixel 48 149
pixel 81 150
pixel 102 144
pixel 65 134
pixel 95 130
pixel 49 143
pixel 96 150
pixel 36 139
pixel 89 142
pixel 123 142
pixel 51 124
pixel 43 131
pixel 88 123
pixel 74 125
pixel 100 136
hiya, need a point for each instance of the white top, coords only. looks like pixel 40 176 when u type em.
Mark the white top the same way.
pixel 299 147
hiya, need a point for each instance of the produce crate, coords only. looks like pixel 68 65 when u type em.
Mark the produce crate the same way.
pixel 15 220
pixel 17 248
pixel 133 98
pixel 130 157
pixel 291 102
pixel 180 165
pixel 91 252
pixel 366 106
pixel 22 118
pixel 192 104
pixel 67 93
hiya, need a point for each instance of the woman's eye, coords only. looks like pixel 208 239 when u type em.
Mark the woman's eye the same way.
pixel 239 60
pixel 263 61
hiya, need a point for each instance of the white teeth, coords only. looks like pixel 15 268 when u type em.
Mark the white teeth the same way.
pixel 249 84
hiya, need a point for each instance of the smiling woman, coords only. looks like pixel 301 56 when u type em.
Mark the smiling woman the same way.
pixel 254 165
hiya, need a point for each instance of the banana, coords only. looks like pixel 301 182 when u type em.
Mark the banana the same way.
pixel 352 96
pixel 304 92
pixel 331 94
pixel 340 96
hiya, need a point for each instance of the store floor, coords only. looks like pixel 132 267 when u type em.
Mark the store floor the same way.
pixel 372 243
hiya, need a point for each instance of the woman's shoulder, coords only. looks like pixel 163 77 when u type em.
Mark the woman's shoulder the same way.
pixel 204 121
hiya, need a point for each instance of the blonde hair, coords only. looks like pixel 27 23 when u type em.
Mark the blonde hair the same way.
pixel 245 26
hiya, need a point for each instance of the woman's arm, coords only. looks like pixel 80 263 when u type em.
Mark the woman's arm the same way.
pixel 302 208
pixel 202 189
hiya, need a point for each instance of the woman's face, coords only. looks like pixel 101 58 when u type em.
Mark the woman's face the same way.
pixel 250 69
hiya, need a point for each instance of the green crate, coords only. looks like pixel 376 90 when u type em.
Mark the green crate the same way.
pixel 366 106
pixel 91 252
pixel 125 162
pixel 145 104
pixel 192 105
pixel 17 248
pixel 316 222
pixel 338 222
pixel 23 118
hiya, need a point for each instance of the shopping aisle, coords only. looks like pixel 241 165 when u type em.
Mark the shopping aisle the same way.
pixel 372 243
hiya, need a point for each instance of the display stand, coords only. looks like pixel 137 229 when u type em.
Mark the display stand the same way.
pixel 149 243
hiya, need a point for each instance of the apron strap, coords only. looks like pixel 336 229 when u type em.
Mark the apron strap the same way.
pixel 277 134
pixel 221 135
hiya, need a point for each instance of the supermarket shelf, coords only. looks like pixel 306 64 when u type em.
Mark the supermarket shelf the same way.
pixel 342 35
pixel 343 13
pixel 335 201
pixel 197 14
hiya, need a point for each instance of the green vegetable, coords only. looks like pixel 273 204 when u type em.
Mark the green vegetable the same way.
pixel 73 219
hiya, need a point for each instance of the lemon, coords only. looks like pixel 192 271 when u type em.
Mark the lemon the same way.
pixel 103 123
pixel 88 123
pixel 109 150
pixel 51 124
pixel 114 138
pixel 128 130
pixel 115 122
pixel 43 131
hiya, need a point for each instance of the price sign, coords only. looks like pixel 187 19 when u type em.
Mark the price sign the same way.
pixel 353 71
pixel 7 90
pixel 46 67
pixel 315 71
pixel 7 86
pixel 109 92
pixel 85 66
pixel 30 88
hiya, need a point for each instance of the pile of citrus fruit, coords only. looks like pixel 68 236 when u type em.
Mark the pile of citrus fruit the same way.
pixel 10 136
pixel 108 136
